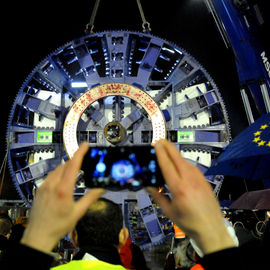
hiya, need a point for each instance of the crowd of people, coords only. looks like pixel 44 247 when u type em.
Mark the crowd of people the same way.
pixel 95 224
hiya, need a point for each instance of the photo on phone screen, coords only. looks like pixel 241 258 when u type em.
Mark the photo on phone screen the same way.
pixel 124 167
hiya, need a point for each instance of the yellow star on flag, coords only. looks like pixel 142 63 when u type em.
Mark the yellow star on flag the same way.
pixel 261 143
pixel 268 144
pixel 256 139
pixel 264 126
pixel 257 133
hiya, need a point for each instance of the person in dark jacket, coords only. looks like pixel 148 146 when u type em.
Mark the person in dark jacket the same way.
pixel 5 226
pixel 17 232
pixel 5 230
pixel 99 234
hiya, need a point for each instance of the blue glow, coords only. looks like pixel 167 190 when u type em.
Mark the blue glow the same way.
pixel 153 181
pixel 122 171
pixel 132 157
pixel 152 166
pixel 135 183
pixel 94 152
pixel 101 167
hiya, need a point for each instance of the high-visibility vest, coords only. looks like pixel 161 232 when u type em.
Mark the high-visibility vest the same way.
pixel 88 264
pixel 178 233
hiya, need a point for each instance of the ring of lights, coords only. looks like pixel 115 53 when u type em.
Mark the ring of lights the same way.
pixel 105 90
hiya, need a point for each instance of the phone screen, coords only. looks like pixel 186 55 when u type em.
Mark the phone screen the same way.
pixel 125 167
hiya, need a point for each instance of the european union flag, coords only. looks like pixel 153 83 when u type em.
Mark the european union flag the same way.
pixel 248 155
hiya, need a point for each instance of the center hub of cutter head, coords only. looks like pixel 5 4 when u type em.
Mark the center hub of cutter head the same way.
pixel 114 132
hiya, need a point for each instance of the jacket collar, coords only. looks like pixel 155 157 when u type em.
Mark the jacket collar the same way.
pixel 107 254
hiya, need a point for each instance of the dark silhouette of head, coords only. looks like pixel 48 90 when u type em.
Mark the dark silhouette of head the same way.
pixel 101 225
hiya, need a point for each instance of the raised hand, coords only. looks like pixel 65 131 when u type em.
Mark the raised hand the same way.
pixel 54 212
pixel 193 207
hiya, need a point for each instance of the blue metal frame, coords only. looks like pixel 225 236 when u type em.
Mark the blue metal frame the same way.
pixel 241 30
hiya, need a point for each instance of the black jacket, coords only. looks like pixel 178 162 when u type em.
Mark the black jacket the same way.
pixel 252 255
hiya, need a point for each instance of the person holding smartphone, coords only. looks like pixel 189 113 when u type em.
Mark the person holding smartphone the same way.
pixel 193 208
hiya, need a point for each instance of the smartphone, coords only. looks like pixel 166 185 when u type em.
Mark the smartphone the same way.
pixel 121 167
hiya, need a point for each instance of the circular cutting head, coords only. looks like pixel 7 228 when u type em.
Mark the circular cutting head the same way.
pixel 115 88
